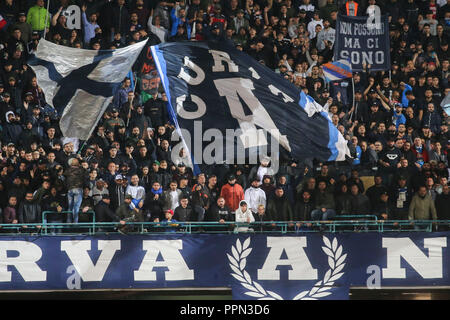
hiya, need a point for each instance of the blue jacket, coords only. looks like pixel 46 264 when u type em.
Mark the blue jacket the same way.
pixel 398 119
pixel 176 22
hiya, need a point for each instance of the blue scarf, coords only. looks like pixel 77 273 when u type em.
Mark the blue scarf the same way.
pixel 159 191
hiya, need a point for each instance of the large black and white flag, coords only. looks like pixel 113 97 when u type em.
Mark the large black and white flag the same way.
pixel 80 83
pixel 214 89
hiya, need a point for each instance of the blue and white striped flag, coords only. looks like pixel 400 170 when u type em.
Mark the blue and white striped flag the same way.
pixel 80 83
pixel 337 70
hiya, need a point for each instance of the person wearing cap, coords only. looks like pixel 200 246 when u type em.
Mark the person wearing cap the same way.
pixel 26 108
pixel 16 43
pixel 127 215
pixel 114 121
pixel 388 160
pixel 218 20
pixel 116 191
pixel 169 221
pixel 232 192
pixel 383 208
pixel 255 196
pixel 24 27
pixel 99 188
pixel 240 21
pixel 243 215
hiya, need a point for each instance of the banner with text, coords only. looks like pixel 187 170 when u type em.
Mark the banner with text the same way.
pixel 363 41
pixel 254 266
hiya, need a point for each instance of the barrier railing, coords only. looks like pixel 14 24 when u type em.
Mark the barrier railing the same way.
pixel 345 223
pixel 57 227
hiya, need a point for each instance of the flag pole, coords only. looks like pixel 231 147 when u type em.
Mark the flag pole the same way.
pixel 353 89
pixel 134 90
pixel 46 19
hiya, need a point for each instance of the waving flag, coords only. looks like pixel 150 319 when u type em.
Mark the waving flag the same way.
pixel 213 88
pixel 3 22
pixel 337 70
pixel 79 83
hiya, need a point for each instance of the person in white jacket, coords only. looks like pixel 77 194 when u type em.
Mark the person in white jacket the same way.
pixel 154 25
pixel 255 196
pixel 244 214
pixel 136 191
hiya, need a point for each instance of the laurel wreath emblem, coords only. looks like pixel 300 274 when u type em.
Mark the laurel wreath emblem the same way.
pixel 336 262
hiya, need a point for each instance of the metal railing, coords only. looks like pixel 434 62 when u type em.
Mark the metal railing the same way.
pixel 344 223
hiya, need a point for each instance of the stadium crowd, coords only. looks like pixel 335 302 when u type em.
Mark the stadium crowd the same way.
pixel 396 127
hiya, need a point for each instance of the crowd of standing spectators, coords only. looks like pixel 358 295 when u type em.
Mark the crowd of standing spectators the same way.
pixel 395 123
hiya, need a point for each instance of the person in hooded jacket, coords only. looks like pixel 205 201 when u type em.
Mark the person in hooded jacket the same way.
pixel 268 186
pixel 278 207
pixel 255 196
pixel 244 215
pixel 12 129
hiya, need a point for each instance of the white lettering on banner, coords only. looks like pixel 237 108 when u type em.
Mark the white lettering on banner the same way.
pixel 173 260
pixel 357 57
pixel 24 262
pixel 428 267
pixel 220 57
pixel 345 28
pixel 352 43
pixel 254 73
pixel 296 258
pixel 277 91
pixel 200 74
pixel 233 89
pixel 182 112
pixel 77 252
pixel 362 29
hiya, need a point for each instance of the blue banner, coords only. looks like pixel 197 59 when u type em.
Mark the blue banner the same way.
pixel 363 40
pixel 225 100
pixel 254 266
